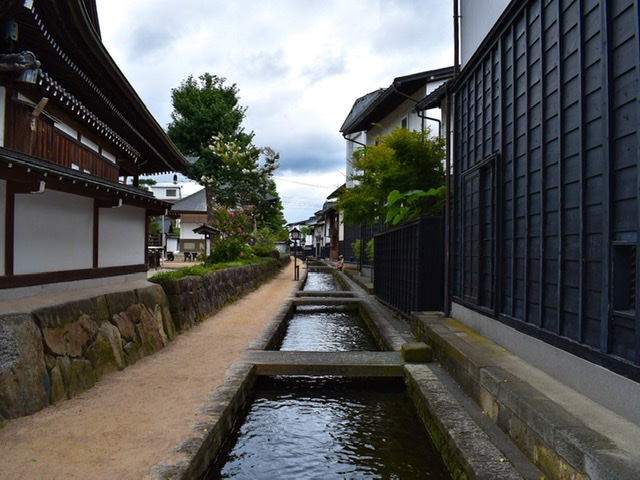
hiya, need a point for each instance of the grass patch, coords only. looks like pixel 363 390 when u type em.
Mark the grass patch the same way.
pixel 201 270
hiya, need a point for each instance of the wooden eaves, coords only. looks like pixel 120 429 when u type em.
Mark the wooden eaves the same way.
pixel 78 75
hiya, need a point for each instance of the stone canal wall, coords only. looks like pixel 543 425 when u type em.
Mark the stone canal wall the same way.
pixel 51 354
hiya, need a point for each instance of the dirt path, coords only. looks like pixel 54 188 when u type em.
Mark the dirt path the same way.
pixel 132 419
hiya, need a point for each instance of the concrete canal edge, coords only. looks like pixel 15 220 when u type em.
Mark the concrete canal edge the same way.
pixel 558 441
pixel 465 447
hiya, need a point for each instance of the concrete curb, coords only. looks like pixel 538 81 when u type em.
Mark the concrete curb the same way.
pixel 222 408
pixel 554 439
pixel 465 447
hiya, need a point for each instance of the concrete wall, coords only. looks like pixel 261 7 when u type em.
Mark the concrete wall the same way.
pixel 601 385
pixel 560 431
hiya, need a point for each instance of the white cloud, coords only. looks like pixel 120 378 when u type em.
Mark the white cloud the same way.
pixel 299 66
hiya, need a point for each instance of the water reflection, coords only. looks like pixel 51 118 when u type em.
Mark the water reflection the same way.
pixel 310 428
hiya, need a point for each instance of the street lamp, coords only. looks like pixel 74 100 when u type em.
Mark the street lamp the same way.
pixel 295 236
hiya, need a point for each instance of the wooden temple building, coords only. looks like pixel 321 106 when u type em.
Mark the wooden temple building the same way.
pixel 72 131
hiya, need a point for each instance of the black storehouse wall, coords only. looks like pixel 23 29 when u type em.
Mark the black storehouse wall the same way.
pixel 546 180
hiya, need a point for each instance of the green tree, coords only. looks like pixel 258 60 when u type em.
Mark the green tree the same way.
pixel 204 108
pixel 244 178
pixel 405 206
pixel 207 124
pixel 403 160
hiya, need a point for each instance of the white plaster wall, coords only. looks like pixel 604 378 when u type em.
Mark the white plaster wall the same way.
pixel 3 214
pixel 361 138
pixel 187 233
pixel 53 232
pixel 172 245
pixel 436 113
pixel 476 20
pixel 394 120
pixel 406 110
pixel 308 238
pixel 121 236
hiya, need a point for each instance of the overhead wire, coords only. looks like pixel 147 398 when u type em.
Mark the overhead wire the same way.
pixel 303 183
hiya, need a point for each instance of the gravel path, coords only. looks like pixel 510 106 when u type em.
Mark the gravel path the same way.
pixel 131 420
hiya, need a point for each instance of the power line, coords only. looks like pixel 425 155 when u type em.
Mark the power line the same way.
pixel 303 183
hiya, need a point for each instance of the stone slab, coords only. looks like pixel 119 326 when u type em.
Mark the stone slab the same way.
pixel 358 364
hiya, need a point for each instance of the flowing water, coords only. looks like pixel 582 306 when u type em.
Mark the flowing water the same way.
pixel 329 427
pixel 321 282
pixel 327 329
pixel 325 428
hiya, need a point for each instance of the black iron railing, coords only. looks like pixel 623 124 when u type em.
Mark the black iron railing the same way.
pixel 409 266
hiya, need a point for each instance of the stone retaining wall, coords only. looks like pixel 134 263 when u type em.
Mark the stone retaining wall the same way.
pixel 51 354
pixel 192 299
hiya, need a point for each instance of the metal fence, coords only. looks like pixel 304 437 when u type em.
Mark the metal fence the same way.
pixel 409 266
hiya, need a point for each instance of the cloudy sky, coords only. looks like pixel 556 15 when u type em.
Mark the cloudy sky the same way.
pixel 299 66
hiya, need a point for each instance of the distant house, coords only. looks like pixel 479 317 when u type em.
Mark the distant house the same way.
pixel 545 154
pixel 72 129
pixel 378 113
pixel 383 110
pixel 191 213
pixel 329 229
pixel 307 243
pixel 165 230
pixel 168 191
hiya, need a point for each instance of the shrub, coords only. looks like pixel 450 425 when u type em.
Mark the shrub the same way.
pixel 261 250
pixel 201 270
pixel 357 248
pixel 228 250
pixel 191 271
pixel 369 250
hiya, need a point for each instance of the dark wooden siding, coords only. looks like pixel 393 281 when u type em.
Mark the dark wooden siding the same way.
pixel 546 185
pixel 49 143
